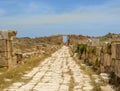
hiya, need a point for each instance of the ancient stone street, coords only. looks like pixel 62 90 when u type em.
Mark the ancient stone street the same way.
pixel 56 73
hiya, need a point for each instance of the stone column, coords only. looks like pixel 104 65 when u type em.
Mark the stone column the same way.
pixel 6 50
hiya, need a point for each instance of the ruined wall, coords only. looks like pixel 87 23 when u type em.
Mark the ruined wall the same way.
pixel 76 39
pixel 56 39
pixel 26 47
pixel 6 50
pixel 104 57
pixel 116 57
pixel 105 60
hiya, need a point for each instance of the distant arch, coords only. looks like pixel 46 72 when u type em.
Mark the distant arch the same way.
pixel 65 38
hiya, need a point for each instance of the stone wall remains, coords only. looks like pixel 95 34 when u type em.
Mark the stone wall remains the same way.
pixel 6 49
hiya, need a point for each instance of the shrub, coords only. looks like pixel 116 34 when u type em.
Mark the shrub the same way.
pixel 81 48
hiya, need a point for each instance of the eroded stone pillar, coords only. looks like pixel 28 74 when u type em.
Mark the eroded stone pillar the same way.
pixel 6 49
pixel 116 57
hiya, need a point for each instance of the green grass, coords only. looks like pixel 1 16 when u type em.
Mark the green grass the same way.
pixel 3 70
pixel 103 39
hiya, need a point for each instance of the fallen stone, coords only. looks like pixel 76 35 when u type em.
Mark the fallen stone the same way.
pixel 7 80
pixel 18 84
pixel 106 88
pixel 88 88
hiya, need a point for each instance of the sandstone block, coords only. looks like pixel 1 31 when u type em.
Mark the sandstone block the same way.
pixel 106 88
pixel 117 67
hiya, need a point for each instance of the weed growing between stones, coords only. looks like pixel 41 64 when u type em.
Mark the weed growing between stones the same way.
pixel 15 74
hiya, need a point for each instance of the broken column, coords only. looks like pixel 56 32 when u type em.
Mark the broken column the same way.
pixel 6 49
pixel 116 56
pixel 106 57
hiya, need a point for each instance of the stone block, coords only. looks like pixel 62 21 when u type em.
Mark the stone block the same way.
pixel 3 60
pixel 113 51
pixel 3 45
pixel 117 68
pixel 107 60
pixel 106 88
pixel 2 54
pixel 116 51
pixel 3 34
pixel 98 51
pixel 6 58
pixel 7 35
pixel 94 42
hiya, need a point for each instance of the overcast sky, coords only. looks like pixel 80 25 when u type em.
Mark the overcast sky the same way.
pixel 49 17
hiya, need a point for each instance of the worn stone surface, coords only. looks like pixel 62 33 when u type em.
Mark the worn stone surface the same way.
pixel 113 51
pixel 106 88
pixel 3 45
pixel 59 72
pixel 107 60
pixel 93 42
pixel 116 57
pixel 116 50
pixel 3 34
pixel 6 49
pixel 117 68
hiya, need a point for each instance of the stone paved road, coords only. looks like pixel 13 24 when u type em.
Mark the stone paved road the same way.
pixel 57 73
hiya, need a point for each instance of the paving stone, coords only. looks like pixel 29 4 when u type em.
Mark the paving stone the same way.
pixel 18 84
pixel 11 89
pixel 64 88
pixel 106 88
pixel 88 88
pixel 55 74
pixel 77 87
pixel 78 90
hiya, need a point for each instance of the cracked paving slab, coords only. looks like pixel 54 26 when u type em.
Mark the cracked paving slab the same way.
pixel 56 73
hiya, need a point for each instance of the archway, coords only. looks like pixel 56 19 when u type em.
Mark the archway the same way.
pixel 65 38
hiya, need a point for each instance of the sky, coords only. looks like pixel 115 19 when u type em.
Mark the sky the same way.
pixel 34 18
